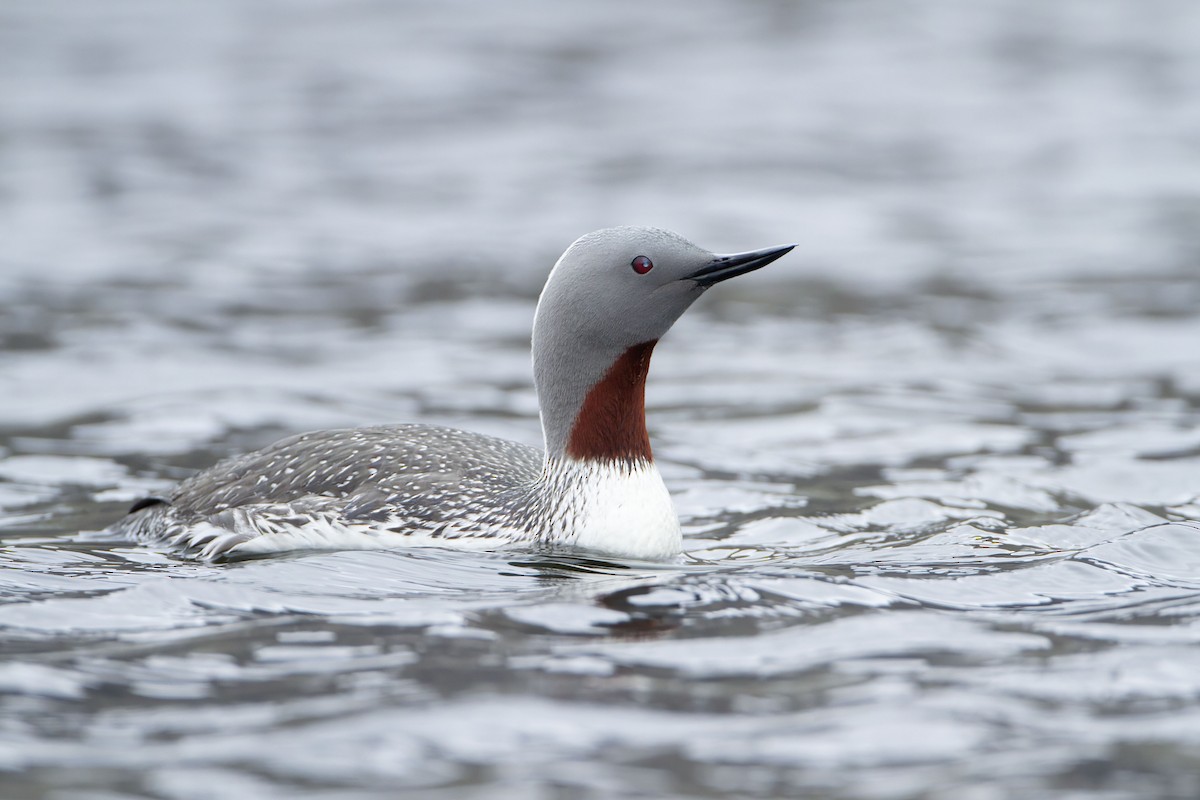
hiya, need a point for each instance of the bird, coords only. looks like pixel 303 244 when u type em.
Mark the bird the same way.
pixel 594 487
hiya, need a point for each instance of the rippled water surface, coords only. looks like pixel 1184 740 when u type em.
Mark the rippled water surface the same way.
pixel 939 469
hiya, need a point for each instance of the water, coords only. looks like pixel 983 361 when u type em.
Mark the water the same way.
pixel 939 469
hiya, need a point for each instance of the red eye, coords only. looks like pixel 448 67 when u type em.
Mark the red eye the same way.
pixel 641 265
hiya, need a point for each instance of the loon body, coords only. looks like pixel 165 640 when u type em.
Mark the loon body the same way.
pixel 608 300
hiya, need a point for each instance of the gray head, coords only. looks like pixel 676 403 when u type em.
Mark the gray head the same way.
pixel 609 298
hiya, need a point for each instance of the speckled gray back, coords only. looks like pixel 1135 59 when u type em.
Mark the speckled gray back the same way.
pixel 401 479
pixel 396 461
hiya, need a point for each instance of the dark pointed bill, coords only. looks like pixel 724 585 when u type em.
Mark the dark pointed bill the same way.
pixel 725 267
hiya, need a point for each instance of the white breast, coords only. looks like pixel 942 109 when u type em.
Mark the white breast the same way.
pixel 615 508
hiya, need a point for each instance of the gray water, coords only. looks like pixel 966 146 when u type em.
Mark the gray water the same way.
pixel 938 469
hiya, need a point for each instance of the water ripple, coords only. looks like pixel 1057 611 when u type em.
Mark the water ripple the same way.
pixel 937 475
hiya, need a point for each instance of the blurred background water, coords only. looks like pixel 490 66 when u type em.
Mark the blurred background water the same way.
pixel 939 470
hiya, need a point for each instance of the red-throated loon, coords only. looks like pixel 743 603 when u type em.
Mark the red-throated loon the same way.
pixel 608 300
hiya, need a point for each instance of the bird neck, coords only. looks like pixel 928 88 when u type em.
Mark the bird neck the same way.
pixel 611 423
pixel 600 417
